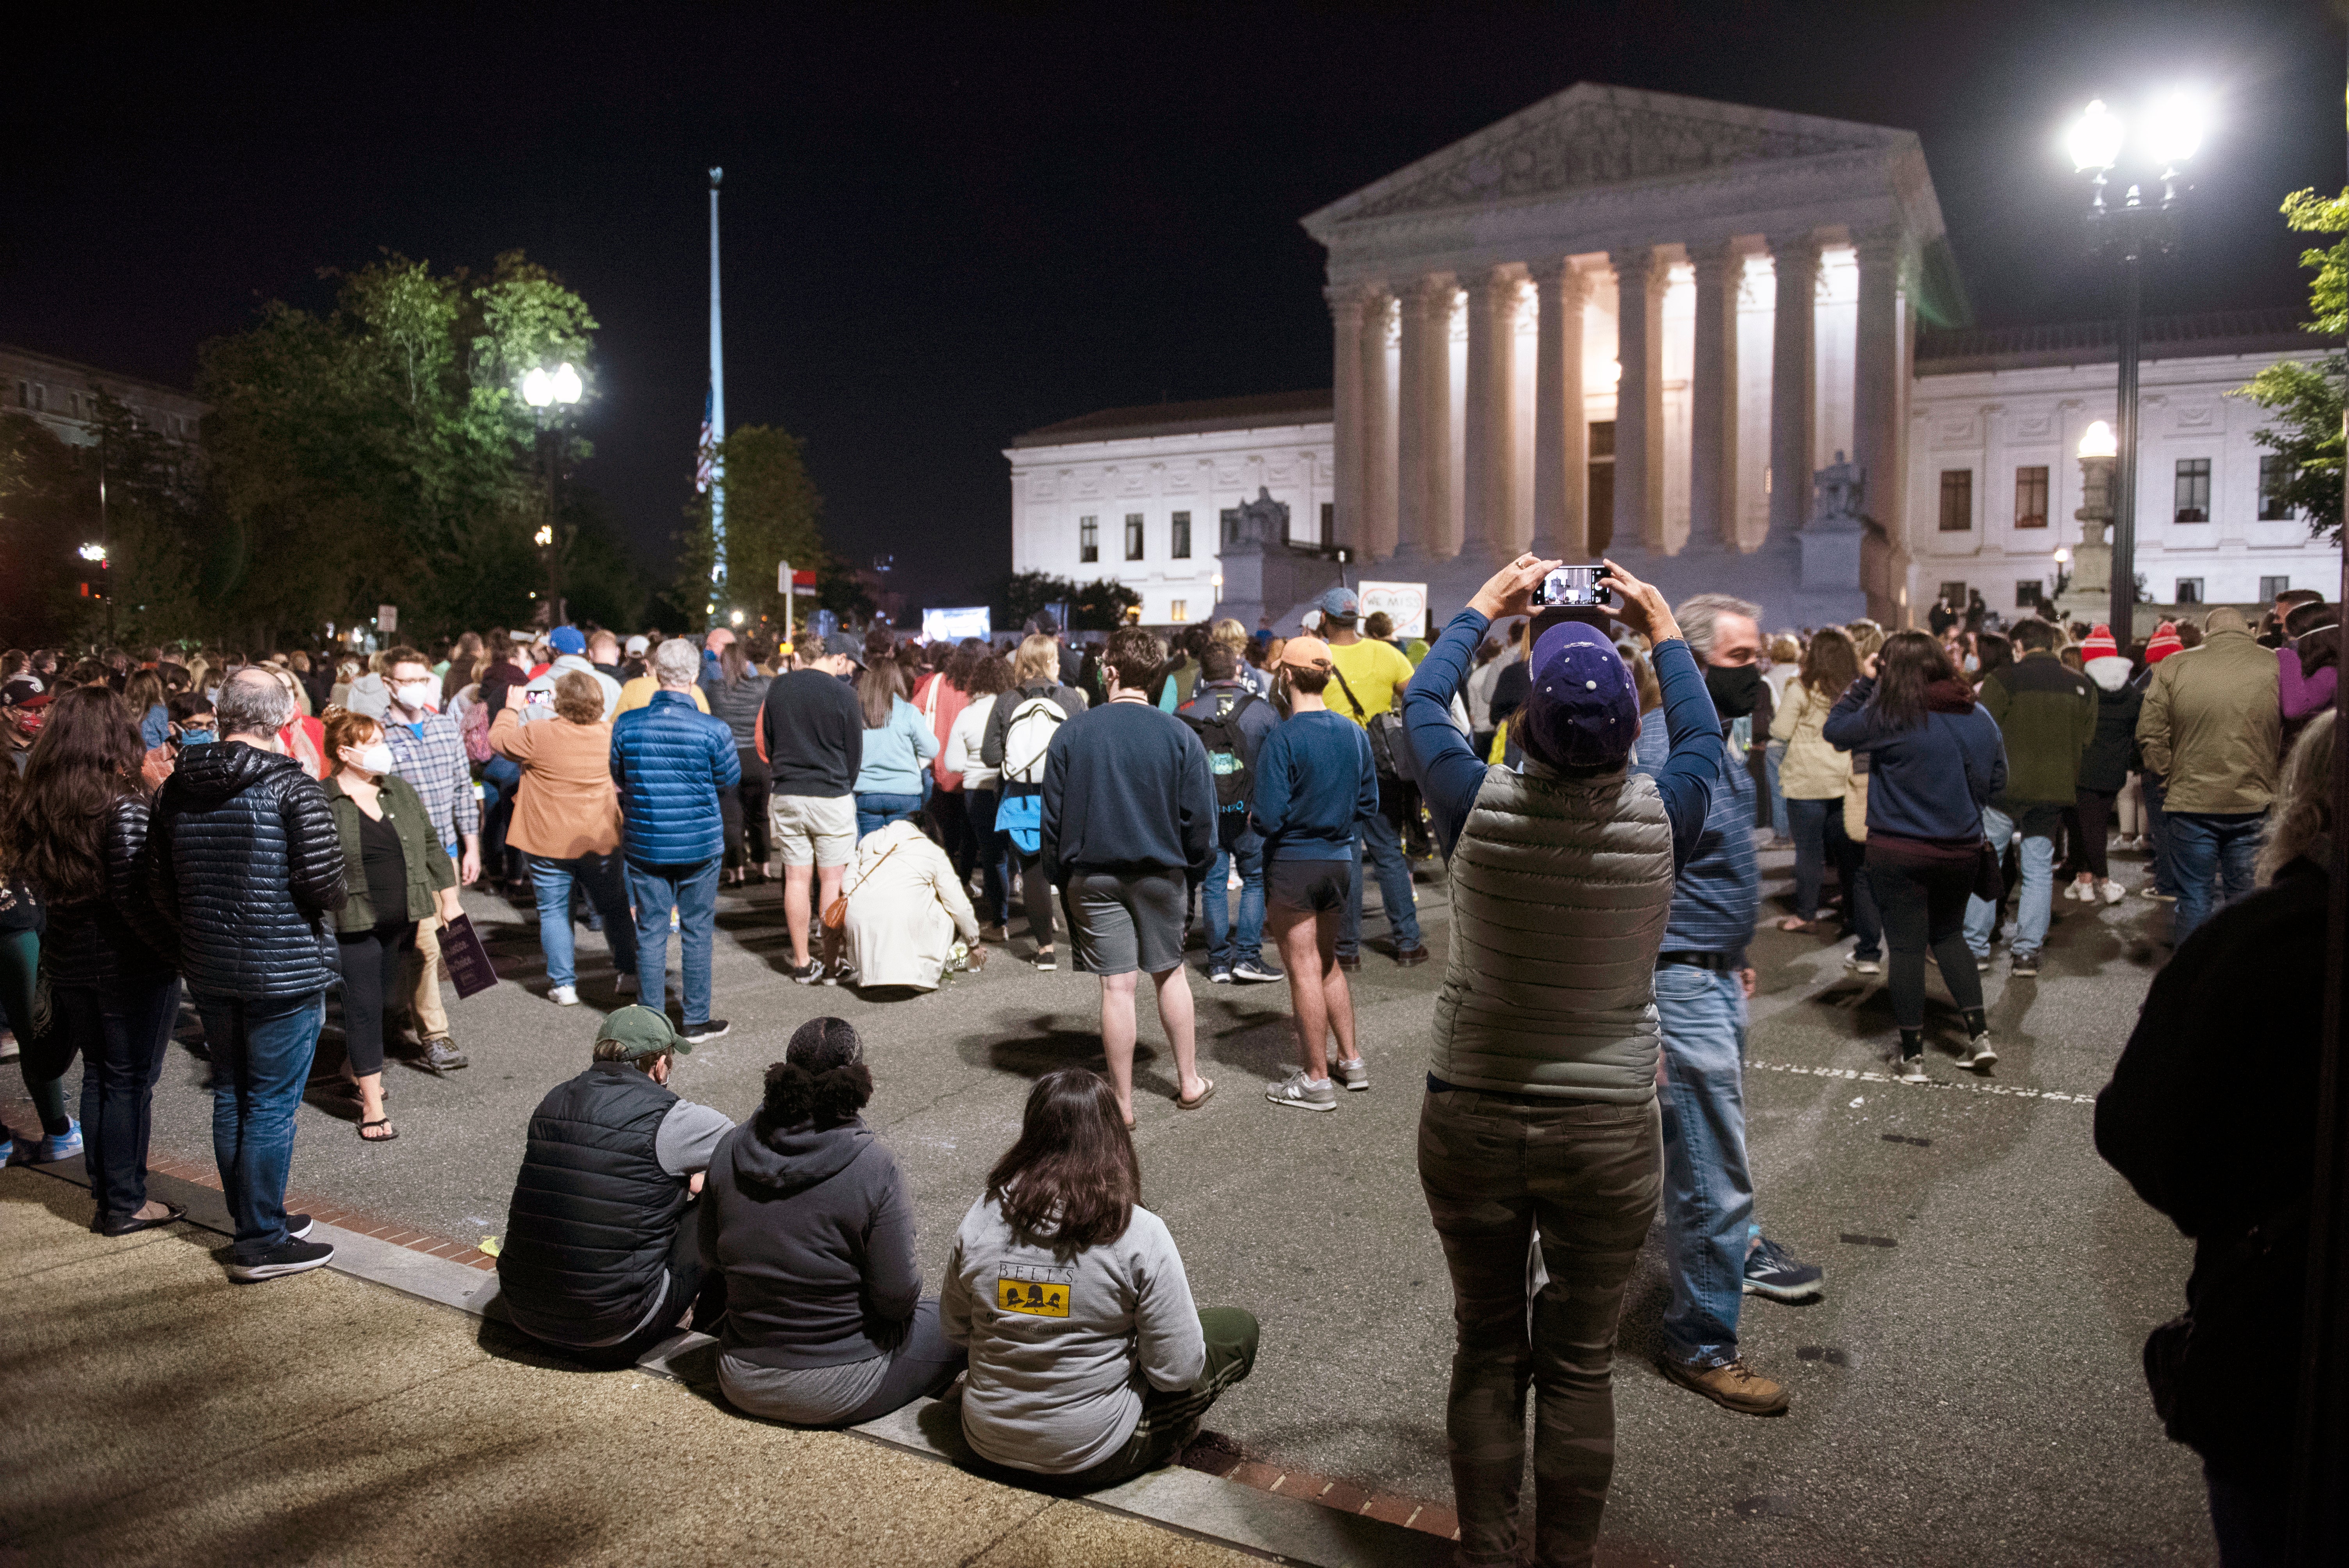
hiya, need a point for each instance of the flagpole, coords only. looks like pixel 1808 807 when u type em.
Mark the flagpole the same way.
pixel 717 416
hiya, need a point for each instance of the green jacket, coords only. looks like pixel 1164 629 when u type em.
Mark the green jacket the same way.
pixel 2047 716
pixel 428 870
pixel 2210 724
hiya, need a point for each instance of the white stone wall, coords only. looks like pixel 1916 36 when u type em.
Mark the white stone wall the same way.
pixel 58 394
pixel 1054 487
pixel 1994 422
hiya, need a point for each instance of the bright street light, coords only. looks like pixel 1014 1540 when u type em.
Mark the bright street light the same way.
pixel 2096 142
pixel 738 617
pixel 538 389
pixel 92 553
pixel 2175 131
pixel 2099 442
pixel 567 384
pixel 544 536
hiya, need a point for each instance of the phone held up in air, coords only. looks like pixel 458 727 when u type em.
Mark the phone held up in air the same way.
pixel 1575 587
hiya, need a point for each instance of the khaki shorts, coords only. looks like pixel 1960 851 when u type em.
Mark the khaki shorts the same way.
pixel 813 829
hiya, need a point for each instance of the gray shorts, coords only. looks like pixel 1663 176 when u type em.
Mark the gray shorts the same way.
pixel 1125 920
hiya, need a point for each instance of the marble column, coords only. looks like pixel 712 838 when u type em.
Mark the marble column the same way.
pixel 1424 421
pixel 1490 447
pixel 1639 276
pixel 1346 423
pixel 1561 424
pixel 1796 259
pixel 1377 529
pixel 1713 398
pixel 1876 376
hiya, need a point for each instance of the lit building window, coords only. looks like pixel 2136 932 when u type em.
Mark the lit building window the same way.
pixel 1089 538
pixel 2193 496
pixel 2031 498
pixel 1178 609
pixel 1956 501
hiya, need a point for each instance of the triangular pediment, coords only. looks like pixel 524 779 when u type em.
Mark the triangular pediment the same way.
pixel 1590 137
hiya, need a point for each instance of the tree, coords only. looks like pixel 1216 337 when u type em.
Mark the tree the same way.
pixel 1100 605
pixel 48 506
pixel 2307 398
pixel 774 514
pixel 1026 594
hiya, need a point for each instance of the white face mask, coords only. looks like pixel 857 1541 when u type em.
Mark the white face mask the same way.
pixel 417 697
pixel 374 758
pixel 1972 663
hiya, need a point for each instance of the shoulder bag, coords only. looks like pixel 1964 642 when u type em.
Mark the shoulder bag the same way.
pixel 835 914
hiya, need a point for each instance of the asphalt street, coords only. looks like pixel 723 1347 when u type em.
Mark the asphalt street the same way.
pixel 1968 1391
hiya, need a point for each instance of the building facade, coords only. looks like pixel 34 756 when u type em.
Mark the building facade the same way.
pixel 1144 496
pixel 61 394
pixel 1994 474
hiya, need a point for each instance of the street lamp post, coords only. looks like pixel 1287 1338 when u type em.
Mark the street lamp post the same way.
pixel 2129 232
pixel 542 389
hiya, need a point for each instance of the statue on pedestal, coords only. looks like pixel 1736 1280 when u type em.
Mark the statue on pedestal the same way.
pixel 1263 521
pixel 1837 488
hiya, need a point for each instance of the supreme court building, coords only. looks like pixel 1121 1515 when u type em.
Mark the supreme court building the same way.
pixel 1635 324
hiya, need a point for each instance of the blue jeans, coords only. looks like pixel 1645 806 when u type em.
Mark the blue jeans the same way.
pixel 606 888
pixel 2157 834
pixel 261 1053
pixel 2208 848
pixel 1227 946
pixel 1708 1187
pixel 2037 903
pixel 877 811
pixel 693 891
pixel 1772 756
pixel 123 1033
pixel 1379 841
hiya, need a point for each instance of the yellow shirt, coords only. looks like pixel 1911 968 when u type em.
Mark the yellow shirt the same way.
pixel 638 693
pixel 1375 671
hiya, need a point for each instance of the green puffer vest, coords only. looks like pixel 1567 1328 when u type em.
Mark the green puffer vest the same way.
pixel 1560 888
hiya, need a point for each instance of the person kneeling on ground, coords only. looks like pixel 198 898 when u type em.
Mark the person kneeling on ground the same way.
pixel 1088 1362
pixel 905 907
pixel 807 1218
pixel 598 1260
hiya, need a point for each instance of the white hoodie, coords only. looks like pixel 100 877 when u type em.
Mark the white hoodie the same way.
pixel 2110 673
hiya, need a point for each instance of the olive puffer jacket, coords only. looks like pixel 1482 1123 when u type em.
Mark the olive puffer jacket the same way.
pixel 119 936
pixel 247 866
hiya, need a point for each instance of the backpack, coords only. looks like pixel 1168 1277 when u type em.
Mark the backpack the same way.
pixel 1385 731
pixel 1219 732
pixel 1027 736
pixel 476 732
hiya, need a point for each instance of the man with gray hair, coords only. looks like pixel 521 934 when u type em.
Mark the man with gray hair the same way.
pixel 669 760
pixel 1715 1252
pixel 247 866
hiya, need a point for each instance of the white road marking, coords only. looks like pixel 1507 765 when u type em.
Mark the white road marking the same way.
pixel 1972 1086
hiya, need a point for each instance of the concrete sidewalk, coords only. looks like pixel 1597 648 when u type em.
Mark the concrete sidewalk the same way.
pixel 154 1412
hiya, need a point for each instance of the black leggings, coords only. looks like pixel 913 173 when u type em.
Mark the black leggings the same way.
pixel 375 966
pixel 743 811
pixel 2095 809
pixel 1035 893
pixel 1923 904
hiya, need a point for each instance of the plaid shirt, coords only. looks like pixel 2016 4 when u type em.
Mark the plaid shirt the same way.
pixel 434 762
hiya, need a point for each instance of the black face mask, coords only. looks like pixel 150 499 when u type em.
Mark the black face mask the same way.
pixel 1734 687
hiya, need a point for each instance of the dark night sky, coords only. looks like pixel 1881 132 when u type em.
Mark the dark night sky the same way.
pixel 944 225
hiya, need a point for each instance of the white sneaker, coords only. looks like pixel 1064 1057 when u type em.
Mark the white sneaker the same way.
pixel 1302 1093
pixel 1860 965
pixel 565 995
pixel 2114 892
pixel 1979 1053
pixel 1912 1069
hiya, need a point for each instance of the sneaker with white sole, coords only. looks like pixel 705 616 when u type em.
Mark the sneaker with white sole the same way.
pixel 1859 966
pixel 2156 895
pixel 1256 972
pixel 290 1257
pixel 1047 961
pixel 563 996
pixel 1219 975
pixel 1355 1075
pixel 708 1029
pixel 2114 892
pixel 810 972
pixel 1301 1093
pixel 1978 1054
pixel 2025 966
pixel 65 1145
pixel 1912 1069
pixel 1772 1271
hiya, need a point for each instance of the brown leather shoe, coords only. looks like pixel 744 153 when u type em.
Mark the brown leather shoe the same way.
pixel 1411 955
pixel 1732 1386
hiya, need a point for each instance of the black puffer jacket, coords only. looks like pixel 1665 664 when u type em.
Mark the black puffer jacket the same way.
pixel 122 935
pixel 246 866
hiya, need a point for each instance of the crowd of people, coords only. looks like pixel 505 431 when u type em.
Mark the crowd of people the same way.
pixel 259 833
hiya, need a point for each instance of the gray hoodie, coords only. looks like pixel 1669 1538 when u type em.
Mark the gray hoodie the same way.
pixel 1061 1346
pixel 815 1233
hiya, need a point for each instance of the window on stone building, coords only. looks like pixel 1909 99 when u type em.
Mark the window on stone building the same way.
pixel 1181 547
pixel 1089 538
pixel 2031 498
pixel 2193 494
pixel 1134 536
pixel 1956 501
pixel 2275 473
pixel 2272 586
pixel 1178 609
pixel 1599 492
pixel 1329 523
pixel 2190 590
pixel 2028 592
pixel 1953 594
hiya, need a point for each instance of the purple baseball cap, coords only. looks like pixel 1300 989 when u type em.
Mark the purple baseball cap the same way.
pixel 1583 708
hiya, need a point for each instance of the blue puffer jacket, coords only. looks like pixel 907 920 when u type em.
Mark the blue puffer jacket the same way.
pixel 669 760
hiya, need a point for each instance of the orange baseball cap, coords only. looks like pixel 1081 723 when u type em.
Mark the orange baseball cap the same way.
pixel 1307 654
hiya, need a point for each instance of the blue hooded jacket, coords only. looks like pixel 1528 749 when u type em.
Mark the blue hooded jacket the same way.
pixel 670 759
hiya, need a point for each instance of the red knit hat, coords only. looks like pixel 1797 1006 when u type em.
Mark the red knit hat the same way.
pixel 2162 643
pixel 2100 643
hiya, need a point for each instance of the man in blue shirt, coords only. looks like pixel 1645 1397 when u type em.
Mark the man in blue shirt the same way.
pixel 1703 982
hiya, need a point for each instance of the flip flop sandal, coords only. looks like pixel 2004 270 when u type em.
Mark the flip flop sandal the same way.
pixel 378 1122
pixel 1205 1095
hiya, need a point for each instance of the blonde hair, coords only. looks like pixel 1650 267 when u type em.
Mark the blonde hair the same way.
pixel 1039 659
pixel 1786 649
pixel 1230 633
pixel 2302 812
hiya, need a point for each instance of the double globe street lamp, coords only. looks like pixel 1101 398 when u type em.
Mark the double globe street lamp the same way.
pixel 543 389
pixel 2128 231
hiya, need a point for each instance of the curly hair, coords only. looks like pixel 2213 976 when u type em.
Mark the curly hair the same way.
pixel 86 758
pixel 826 1087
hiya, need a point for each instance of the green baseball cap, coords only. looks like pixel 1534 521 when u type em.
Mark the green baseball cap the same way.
pixel 645 1032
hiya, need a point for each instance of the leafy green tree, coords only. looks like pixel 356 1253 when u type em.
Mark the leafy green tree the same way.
pixel 1100 605
pixel 1026 594
pixel 774 514
pixel 2306 399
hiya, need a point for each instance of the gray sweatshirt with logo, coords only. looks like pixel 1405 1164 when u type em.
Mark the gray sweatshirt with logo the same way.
pixel 1062 1346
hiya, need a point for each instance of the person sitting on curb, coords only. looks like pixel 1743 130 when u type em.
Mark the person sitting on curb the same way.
pixel 1089 1363
pixel 598 1260
pixel 807 1219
